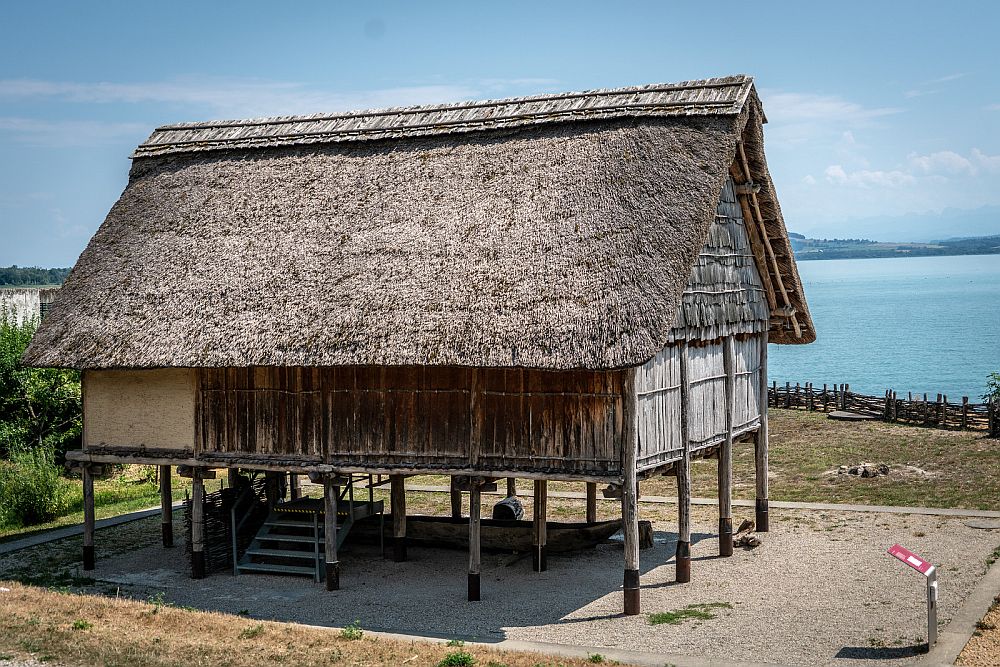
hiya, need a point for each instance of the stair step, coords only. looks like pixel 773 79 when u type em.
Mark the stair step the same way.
pixel 283 553
pixel 290 523
pixel 271 537
pixel 283 569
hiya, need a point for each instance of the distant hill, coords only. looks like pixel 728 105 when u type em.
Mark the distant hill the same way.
pixel 864 248
pixel 29 276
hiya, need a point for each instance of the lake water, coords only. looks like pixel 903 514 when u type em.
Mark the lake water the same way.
pixel 920 324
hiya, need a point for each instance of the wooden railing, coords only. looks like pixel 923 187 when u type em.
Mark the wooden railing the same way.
pixel 918 410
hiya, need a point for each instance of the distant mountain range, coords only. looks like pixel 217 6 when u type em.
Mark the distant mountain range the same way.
pixel 805 248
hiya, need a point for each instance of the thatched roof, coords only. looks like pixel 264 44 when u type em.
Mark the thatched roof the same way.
pixel 550 232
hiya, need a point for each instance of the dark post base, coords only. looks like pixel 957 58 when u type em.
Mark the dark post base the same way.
pixel 762 525
pixel 683 558
pixel 726 537
pixel 88 557
pixel 399 549
pixel 631 589
pixel 473 587
pixel 197 564
pixel 333 576
pixel 539 559
pixel 168 534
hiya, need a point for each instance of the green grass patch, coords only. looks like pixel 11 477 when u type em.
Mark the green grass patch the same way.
pixel 692 612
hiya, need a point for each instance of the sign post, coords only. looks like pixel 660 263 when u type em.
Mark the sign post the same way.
pixel 930 574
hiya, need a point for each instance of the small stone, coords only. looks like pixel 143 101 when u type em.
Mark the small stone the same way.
pixel 883 469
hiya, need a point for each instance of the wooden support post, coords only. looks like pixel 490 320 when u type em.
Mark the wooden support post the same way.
pixel 456 499
pixel 330 494
pixel 682 558
pixel 397 493
pixel 726 453
pixel 511 487
pixel 232 477
pixel 826 398
pixel 88 518
pixel 197 525
pixel 166 507
pixel 294 488
pixel 475 508
pixel 630 505
pixel 965 412
pixel 591 502
pixel 788 394
pixel 539 559
pixel 760 448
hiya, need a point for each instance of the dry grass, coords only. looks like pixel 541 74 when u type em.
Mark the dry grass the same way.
pixel 983 649
pixel 88 630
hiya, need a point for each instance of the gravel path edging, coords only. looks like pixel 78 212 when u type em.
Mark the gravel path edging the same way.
pixel 954 636
pixel 783 504
pixel 54 534
pixel 641 658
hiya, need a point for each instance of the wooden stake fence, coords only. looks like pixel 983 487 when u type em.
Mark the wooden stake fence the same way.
pixel 934 412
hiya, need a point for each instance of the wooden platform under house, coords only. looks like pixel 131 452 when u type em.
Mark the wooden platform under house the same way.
pixel 576 287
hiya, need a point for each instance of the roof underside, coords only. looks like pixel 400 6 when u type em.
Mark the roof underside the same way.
pixel 537 241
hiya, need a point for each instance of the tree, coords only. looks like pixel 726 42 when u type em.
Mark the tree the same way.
pixel 992 388
pixel 40 408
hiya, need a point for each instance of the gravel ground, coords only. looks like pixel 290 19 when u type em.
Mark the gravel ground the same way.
pixel 820 590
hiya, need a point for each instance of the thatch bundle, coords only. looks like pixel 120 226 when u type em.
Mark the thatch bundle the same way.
pixel 553 232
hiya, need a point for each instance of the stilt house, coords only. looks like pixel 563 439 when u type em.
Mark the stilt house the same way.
pixel 574 287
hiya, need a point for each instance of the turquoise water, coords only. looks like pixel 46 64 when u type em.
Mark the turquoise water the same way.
pixel 920 324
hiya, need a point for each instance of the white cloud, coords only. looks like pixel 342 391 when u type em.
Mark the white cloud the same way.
pixel 252 97
pixel 951 163
pixel 941 161
pixel 866 178
pixel 809 179
pixel 796 118
pixel 993 107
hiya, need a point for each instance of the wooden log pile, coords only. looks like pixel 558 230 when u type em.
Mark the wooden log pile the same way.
pixel 936 412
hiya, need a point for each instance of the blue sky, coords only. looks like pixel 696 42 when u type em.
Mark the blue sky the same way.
pixel 884 117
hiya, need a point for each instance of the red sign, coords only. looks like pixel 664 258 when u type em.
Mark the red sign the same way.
pixel 911 559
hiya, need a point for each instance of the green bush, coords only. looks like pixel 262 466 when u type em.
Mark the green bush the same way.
pixel 31 488
pixel 39 407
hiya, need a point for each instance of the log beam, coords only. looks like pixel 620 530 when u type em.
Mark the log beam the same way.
pixel 88 519
pixel 760 445
pixel 591 502
pixel 331 492
pixel 197 525
pixel 539 558
pixel 629 496
pixel 682 557
pixel 166 507
pixel 397 499
pixel 726 452
pixel 475 565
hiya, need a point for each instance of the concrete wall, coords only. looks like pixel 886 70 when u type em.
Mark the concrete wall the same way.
pixel 147 408
pixel 25 302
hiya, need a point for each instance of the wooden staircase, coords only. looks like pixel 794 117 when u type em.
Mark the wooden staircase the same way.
pixel 292 539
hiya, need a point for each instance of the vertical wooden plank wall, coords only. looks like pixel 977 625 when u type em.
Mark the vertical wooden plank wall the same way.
pixel 491 419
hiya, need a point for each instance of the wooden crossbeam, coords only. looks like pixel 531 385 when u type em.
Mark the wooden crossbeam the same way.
pixel 758 219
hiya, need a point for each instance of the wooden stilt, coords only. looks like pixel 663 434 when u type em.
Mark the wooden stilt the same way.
pixel 630 505
pixel 197 525
pixel 456 499
pixel 294 486
pixel 330 494
pixel 397 491
pixel 88 519
pixel 475 507
pixel 682 557
pixel 232 477
pixel 726 453
pixel 591 502
pixel 760 446
pixel 539 559
pixel 511 487
pixel 166 507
